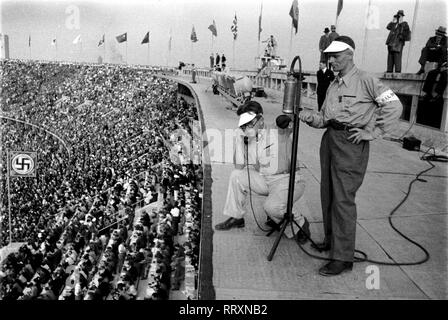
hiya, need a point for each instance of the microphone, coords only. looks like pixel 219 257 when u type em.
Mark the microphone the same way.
pixel 246 139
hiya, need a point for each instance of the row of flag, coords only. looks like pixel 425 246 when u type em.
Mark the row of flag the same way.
pixel 293 13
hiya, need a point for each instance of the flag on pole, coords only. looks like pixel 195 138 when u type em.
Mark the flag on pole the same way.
pixel 212 28
pixel 340 4
pixel 22 163
pixel 146 38
pixel 259 22
pixel 77 39
pixel 294 14
pixel 234 28
pixel 29 41
pixel 102 40
pixel 169 43
pixel 53 42
pixel 122 37
pixel 193 36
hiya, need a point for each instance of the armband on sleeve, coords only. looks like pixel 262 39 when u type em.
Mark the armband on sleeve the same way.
pixel 386 97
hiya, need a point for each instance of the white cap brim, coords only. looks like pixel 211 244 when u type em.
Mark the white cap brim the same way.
pixel 338 46
pixel 245 118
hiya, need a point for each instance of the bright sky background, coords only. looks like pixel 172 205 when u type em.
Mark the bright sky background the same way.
pixel 45 20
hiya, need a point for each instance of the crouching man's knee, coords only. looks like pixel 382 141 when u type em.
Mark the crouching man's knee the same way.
pixel 275 211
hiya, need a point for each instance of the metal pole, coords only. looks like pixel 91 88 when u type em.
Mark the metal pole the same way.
pixel 366 33
pixel 290 44
pixel 9 201
pixel 414 19
pixel 233 54
pixel 104 45
pixel 289 218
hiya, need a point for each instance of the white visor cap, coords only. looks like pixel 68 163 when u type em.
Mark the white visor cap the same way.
pixel 246 117
pixel 338 46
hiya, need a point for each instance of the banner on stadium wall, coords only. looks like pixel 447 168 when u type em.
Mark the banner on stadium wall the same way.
pixel 22 163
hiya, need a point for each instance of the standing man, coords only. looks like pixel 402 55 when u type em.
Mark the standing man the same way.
pixel 223 60
pixel 324 42
pixel 263 153
pixel 271 46
pixel 212 61
pixel 358 108
pixel 399 33
pixel 324 78
pixel 333 33
pixel 218 60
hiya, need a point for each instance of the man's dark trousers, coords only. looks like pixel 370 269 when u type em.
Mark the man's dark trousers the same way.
pixel 394 59
pixel 343 165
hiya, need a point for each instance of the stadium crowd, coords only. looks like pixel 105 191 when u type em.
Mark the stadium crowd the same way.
pixel 111 157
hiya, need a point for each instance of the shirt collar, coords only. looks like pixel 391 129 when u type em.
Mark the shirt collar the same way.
pixel 348 77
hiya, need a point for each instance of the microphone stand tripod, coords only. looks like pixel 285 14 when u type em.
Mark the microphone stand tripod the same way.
pixel 289 217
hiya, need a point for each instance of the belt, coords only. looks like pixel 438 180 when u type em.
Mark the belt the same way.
pixel 336 125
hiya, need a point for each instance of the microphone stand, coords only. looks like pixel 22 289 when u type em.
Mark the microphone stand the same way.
pixel 289 217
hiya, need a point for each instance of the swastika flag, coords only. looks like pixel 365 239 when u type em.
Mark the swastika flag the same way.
pixel 22 163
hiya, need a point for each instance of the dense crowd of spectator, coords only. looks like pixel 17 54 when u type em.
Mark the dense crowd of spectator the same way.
pixel 110 157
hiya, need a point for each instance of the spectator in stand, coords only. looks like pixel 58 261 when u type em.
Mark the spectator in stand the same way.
pixel 434 53
pixel 435 84
pixel 67 216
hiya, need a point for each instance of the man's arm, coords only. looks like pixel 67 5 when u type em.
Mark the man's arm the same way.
pixel 312 118
pixel 390 25
pixel 387 115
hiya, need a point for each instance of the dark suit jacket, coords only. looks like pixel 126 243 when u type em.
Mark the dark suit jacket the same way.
pixel 324 80
pixel 397 36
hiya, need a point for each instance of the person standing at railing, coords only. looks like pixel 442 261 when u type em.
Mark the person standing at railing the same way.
pixel 324 42
pixel 218 60
pixel 223 61
pixel 398 35
pixel 212 60
pixel 324 77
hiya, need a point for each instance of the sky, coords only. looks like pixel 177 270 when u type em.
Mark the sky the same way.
pixel 65 20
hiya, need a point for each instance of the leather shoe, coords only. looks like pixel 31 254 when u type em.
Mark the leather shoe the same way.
pixel 324 246
pixel 271 223
pixel 304 233
pixel 335 267
pixel 230 223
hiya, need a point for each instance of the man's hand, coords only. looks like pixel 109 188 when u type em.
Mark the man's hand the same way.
pixel 306 116
pixel 360 135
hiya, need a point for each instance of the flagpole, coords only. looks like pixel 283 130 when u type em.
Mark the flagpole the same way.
pixel 9 201
pixel 234 53
pixel 259 29
pixel 290 44
pixel 104 45
pixel 148 52
pixel 126 49
pixel 414 19
pixel 366 33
